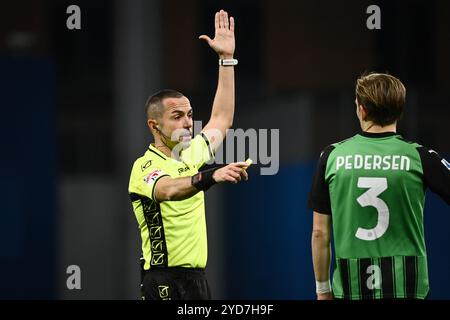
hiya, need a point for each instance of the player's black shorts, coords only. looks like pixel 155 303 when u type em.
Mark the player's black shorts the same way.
pixel 175 283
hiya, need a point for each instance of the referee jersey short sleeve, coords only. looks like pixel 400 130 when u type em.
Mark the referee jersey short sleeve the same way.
pixel 142 182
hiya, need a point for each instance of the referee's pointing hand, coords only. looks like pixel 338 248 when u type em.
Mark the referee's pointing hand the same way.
pixel 231 173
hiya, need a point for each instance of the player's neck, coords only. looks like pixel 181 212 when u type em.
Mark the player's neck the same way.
pixel 374 128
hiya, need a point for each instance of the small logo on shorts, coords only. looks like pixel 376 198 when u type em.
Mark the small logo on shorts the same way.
pixel 164 292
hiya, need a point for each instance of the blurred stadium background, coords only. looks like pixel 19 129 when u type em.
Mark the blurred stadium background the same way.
pixel 73 122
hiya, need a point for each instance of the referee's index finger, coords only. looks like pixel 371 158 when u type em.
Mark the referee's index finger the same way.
pixel 241 164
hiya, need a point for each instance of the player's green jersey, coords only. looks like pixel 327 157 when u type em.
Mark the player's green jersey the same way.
pixel 367 177
pixel 376 190
pixel 173 232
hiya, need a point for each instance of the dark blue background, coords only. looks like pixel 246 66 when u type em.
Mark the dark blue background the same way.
pixel 28 178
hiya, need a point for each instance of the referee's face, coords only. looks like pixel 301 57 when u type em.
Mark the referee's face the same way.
pixel 176 121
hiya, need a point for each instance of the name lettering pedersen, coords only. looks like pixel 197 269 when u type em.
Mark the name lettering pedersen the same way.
pixel 373 162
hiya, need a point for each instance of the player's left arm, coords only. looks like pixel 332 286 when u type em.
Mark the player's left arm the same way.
pixel 223 106
pixel 436 173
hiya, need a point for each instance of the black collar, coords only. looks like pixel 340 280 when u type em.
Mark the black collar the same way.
pixel 153 149
pixel 377 134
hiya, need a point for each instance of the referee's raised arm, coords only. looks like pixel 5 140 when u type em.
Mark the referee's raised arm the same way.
pixel 223 106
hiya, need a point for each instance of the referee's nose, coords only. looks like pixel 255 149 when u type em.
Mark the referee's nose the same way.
pixel 187 123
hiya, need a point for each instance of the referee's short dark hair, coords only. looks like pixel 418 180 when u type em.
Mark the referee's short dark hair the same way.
pixel 154 107
pixel 383 97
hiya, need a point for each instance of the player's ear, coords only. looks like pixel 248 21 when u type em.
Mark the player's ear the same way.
pixel 362 112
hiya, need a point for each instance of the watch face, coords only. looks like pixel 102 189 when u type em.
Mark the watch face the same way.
pixel 228 62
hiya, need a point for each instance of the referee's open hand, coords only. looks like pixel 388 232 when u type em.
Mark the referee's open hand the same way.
pixel 234 172
pixel 223 42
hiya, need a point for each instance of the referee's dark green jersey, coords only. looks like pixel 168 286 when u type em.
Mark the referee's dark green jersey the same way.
pixel 374 187
pixel 173 232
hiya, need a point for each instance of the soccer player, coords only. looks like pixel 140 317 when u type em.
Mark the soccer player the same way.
pixel 371 189
pixel 167 182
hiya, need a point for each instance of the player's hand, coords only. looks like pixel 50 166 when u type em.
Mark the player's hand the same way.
pixel 223 42
pixel 325 296
pixel 234 172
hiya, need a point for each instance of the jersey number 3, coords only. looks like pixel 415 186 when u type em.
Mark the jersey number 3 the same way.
pixel 370 198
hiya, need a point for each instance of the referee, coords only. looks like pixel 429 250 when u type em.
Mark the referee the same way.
pixel 167 182
pixel 371 189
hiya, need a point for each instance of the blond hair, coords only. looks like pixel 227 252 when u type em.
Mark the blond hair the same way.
pixel 383 96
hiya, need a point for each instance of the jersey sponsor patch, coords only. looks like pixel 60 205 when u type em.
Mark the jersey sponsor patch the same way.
pixel 152 176
pixel 181 170
pixel 445 163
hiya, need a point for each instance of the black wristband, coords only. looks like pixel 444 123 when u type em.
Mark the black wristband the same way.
pixel 204 179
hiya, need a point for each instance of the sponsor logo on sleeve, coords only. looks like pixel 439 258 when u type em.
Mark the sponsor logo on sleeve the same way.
pixel 152 176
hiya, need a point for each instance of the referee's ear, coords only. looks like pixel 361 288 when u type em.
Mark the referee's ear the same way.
pixel 152 125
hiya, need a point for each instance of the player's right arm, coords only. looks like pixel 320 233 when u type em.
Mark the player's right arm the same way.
pixel 319 202
pixel 321 254
pixel 174 189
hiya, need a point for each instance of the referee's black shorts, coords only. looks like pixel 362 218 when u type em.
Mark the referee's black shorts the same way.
pixel 175 283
